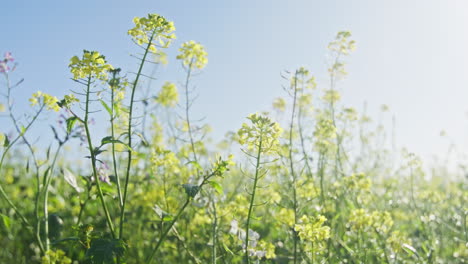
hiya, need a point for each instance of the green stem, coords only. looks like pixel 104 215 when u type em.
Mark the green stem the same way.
pixel 187 108
pixel 2 191
pixel 93 160
pixel 129 134
pixel 36 165
pixel 214 233
pixel 291 165
pixel 252 199
pixel 48 179
pixel 171 224
pixel 114 160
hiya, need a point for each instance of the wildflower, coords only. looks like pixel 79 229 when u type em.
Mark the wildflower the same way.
pixel 168 96
pixel 151 30
pixel 103 173
pixel 4 67
pixel 49 101
pixel 91 64
pixel 263 131
pixel 279 104
pixel 9 57
pixel 193 54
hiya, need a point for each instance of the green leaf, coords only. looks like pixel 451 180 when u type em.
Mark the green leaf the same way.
pixel 228 250
pixel 108 109
pixel 216 186
pixel 6 141
pixel 70 123
pixel 167 218
pixel 410 249
pixel 191 189
pixel 70 178
pixel 6 221
pixel 105 250
pixel 110 139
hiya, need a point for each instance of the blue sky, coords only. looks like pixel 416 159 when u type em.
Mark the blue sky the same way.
pixel 411 55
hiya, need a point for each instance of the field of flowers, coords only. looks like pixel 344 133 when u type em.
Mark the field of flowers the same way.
pixel 310 181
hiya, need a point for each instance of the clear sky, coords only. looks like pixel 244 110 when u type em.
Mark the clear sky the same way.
pixel 411 54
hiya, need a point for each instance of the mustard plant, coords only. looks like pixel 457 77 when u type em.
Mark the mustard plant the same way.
pixel 258 139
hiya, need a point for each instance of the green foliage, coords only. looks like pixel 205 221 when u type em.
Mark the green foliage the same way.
pixel 105 250
pixel 316 184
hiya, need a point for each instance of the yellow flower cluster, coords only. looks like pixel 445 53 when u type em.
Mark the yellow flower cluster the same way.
pixel 311 229
pixel 193 54
pixel 91 64
pixel 267 249
pixel 48 100
pixel 342 44
pixel 152 30
pixel 57 257
pixel 324 134
pixel 396 240
pixel 357 181
pixel 302 80
pixel 168 96
pixel 263 134
pixel 165 160
pixel 279 104
pixel 331 96
pixel 361 219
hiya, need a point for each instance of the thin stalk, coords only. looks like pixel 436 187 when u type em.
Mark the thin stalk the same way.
pixel 2 159
pixel 171 224
pixel 252 198
pixel 187 108
pixel 48 179
pixel 36 165
pixel 129 133
pixel 291 165
pixel 214 233
pixel 114 160
pixel 93 160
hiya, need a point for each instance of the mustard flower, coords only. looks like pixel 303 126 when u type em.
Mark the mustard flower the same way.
pixel 50 102
pixel 153 30
pixel 91 64
pixel 193 54
pixel 312 229
pixel 279 104
pixel 168 96
pixel 263 131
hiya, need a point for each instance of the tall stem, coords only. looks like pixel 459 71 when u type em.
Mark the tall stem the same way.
pixel 252 199
pixel 129 134
pixel 291 166
pixel 48 179
pixel 36 165
pixel 93 160
pixel 114 160
pixel 187 108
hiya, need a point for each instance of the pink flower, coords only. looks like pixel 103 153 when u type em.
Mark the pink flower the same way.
pixel 4 67
pixel 8 56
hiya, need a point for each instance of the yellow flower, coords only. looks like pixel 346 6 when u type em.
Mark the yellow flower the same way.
pixel 168 96
pixel 193 54
pixel 49 101
pixel 279 104
pixel 263 131
pixel 152 30
pixel 92 64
